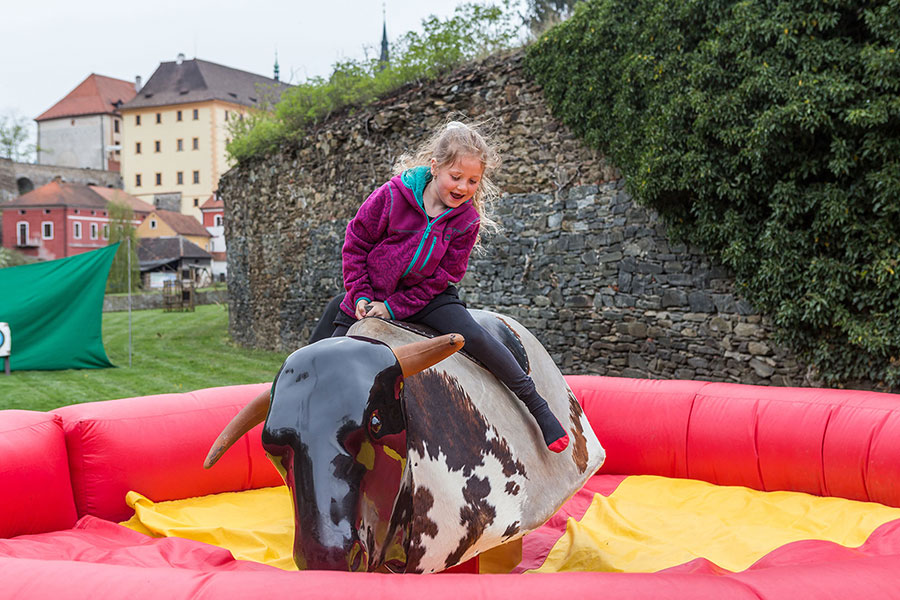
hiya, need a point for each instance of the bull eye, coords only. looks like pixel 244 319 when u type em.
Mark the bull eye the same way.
pixel 375 422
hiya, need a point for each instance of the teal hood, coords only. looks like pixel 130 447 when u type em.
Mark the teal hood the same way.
pixel 416 179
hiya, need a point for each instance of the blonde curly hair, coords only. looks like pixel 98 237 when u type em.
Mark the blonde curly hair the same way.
pixel 450 142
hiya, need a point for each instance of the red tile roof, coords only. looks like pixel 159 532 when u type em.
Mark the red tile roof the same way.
pixel 182 224
pixel 212 203
pixel 58 193
pixel 120 197
pixel 96 95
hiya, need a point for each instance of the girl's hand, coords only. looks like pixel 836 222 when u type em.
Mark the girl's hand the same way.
pixel 361 308
pixel 378 310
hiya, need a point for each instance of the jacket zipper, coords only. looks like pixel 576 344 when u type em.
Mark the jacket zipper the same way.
pixel 430 250
pixel 422 241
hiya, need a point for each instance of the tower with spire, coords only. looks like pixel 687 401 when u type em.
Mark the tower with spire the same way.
pixel 276 66
pixel 383 60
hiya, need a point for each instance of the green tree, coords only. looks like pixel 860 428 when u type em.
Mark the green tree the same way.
pixel 121 229
pixel 14 136
pixel 542 14
pixel 766 132
pixel 474 30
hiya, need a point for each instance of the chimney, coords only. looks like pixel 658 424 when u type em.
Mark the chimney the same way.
pixel 137 83
pixel 180 58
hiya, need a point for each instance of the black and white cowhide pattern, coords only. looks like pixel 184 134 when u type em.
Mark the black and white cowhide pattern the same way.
pixel 467 484
pixel 477 472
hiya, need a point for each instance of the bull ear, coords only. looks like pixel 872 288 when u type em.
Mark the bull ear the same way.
pixel 249 417
pixel 418 356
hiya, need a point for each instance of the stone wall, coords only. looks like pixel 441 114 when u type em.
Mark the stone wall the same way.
pixel 34 176
pixel 593 275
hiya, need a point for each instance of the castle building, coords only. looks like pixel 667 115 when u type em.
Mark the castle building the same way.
pixel 177 127
pixel 83 130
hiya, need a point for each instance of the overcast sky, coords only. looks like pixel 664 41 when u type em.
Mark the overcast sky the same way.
pixel 49 47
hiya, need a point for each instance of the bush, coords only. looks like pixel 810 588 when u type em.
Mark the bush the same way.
pixel 766 132
pixel 473 31
pixel 12 258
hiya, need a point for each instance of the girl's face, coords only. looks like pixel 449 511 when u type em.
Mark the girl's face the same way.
pixel 456 184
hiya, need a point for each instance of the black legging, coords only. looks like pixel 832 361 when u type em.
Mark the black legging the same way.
pixel 453 318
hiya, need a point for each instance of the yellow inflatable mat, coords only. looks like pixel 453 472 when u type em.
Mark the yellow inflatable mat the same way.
pixel 645 525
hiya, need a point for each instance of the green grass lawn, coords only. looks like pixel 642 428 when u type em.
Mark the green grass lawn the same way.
pixel 172 352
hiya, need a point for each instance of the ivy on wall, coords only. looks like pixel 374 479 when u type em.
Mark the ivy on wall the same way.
pixel 768 133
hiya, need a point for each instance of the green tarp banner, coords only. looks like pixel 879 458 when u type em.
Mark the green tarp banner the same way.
pixel 55 312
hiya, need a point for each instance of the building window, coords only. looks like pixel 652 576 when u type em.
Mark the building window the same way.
pixel 179 177
pixel 137 147
pixel 93 231
pixel 226 115
pixel 22 233
pixel 178 116
pixel 47 230
pixel 152 223
pixel 76 232
pixel 159 179
pixel 159 117
pixel 196 143
pixel 179 145
pixel 137 120
pixel 157 145
pixel 196 114
pixel 196 201
pixel 116 126
pixel 106 231
pixel 196 176
pixel 217 220
pixel 137 180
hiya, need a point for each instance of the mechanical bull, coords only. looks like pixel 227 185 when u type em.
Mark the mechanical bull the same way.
pixel 403 455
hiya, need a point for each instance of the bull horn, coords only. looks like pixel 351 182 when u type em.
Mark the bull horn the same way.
pixel 249 417
pixel 418 356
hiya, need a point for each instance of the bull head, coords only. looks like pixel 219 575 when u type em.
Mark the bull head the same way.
pixel 336 431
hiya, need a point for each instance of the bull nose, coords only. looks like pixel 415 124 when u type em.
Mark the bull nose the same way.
pixel 333 558
pixel 358 559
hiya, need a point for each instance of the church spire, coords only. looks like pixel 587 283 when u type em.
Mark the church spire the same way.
pixel 384 59
pixel 276 66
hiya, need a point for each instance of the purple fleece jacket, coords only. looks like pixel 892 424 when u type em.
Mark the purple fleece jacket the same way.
pixel 396 254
